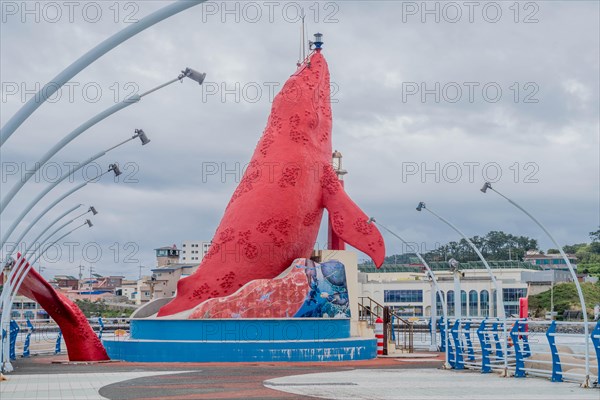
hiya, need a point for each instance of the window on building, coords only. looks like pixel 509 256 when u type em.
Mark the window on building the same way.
pixel 511 297
pixel 450 302
pixel 15 314
pixel 28 314
pixel 438 304
pixel 463 303
pixel 473 303
pixel 513 294
pixel 403 296
pixel 484 303
pixel 494 305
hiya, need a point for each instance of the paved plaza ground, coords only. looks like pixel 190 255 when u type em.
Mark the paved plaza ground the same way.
pixel 409 377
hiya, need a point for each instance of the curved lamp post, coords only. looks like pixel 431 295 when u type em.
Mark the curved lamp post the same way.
pixel 499 298
pixel 586 383
pixel 31 248
pixel 6 365
pixel 139 134
pixel 55 221
pixel 7 289
pixel 187 73
pixel 435 284
pixel 85 60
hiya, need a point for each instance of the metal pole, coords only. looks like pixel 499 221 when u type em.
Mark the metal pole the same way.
pixel 6 365
pixel 50 88
pixel 49 225
pixel 71 136
pixel 60 145
pixel 433 317
pixel 7 288
pixel 457 295
pixel 40 215
pixel 499 297
pixel 433 279
pixel 586 383
pixel 9 276
pixel 41 195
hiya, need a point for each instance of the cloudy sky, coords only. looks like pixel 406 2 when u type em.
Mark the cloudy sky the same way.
pixel 429 100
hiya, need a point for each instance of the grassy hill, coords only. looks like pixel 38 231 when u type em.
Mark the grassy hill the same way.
pixel 565 298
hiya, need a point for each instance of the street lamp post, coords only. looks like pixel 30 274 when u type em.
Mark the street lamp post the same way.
pixel 434 282
pixel 8 288
pixel 88 58
pixel 6 365
pixel 55 221
pixel 34 222
pixel 139 134
pixel 586 383
pixel 499 297
pixel 187 73
pixel 457 289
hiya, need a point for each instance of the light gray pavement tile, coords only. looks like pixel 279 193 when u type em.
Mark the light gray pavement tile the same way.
pixel 426 384
pixel 66 386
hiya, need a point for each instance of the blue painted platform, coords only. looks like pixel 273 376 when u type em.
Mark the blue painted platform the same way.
pixel 240 340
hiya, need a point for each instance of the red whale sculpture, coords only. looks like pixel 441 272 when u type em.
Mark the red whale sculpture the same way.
pixel 274 214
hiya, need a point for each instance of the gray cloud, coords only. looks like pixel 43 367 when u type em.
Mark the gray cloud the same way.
pixel 547 151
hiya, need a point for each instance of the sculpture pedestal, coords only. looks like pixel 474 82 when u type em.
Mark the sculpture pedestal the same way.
pixel 241 340
pixel 302 315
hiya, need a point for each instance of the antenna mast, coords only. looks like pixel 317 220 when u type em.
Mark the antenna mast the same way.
pixel 302 41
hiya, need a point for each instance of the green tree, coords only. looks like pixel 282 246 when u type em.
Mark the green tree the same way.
pixel 595 236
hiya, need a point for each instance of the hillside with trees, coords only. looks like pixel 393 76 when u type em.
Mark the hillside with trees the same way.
pixel 565 298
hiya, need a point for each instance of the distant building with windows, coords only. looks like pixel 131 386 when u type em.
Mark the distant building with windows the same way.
pixel 549 260
pixel 194 251
pixel 25 308
pixel 163 282
pixel 409 293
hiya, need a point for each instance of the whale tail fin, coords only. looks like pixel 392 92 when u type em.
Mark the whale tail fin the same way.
pixel 348 221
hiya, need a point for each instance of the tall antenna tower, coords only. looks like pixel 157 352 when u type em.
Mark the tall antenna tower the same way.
pixel 302 56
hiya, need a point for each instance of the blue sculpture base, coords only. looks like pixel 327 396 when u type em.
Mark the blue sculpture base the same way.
pixel 240 340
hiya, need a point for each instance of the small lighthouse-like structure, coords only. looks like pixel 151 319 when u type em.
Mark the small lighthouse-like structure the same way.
pixel 334 242
pixel 318 42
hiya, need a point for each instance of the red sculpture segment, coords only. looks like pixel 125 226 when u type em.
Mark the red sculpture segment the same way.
pixel 274 214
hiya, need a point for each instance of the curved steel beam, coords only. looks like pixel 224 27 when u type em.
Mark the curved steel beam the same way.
pixel 85 60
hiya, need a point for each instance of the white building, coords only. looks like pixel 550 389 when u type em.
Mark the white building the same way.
pixel 194 251
pixel 408 292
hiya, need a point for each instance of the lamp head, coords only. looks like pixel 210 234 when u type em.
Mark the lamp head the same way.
pixel 142 135
pixel 93 210
pixel 194 75
pixel 486 186
pixel 421 206
pixel 89 223
pixel 453 264
pixel 115 168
